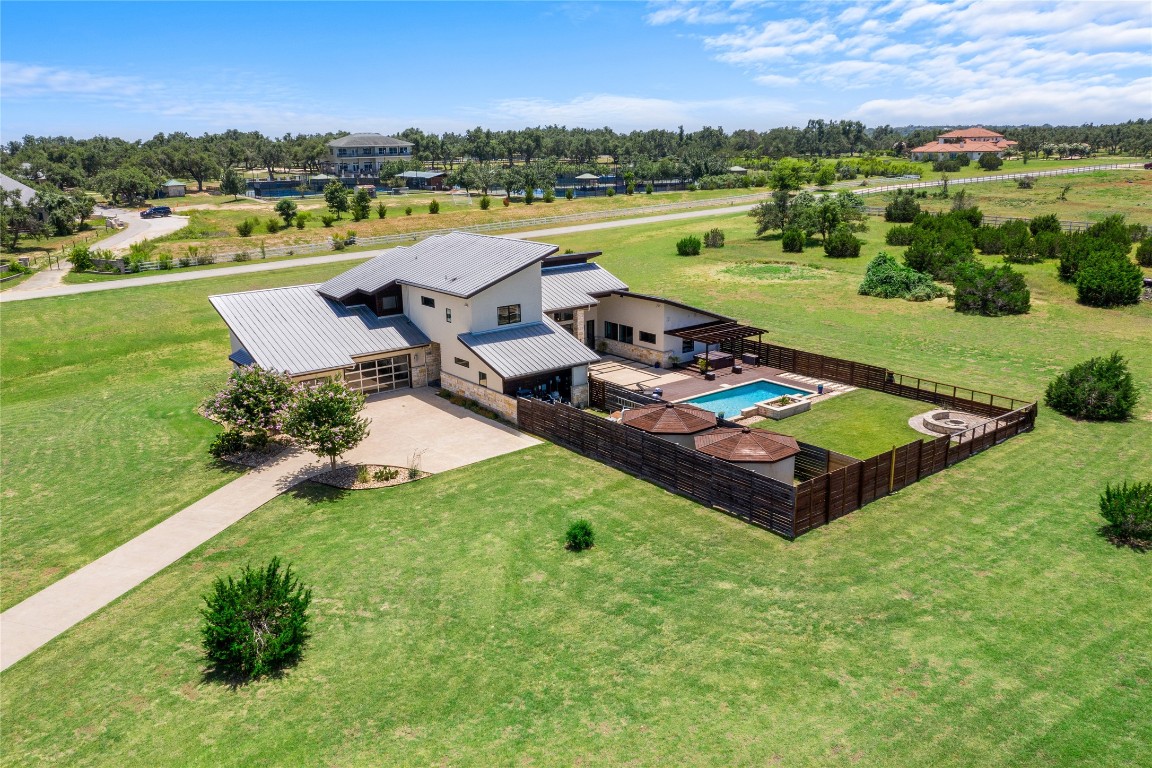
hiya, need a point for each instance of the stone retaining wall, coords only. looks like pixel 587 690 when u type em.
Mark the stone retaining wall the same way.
pixel 489 398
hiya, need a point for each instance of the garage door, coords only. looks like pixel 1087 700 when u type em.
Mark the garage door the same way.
pixel 380 375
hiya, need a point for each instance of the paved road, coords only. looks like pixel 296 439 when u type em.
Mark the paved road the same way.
pixel 68 290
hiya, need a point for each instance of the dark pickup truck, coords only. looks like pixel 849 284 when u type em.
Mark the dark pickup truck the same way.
pixel 155 211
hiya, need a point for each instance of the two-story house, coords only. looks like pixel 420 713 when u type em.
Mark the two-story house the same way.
pixel 975 142
pixel 488 318
pixel 362 154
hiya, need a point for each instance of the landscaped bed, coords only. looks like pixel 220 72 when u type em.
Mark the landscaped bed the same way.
pixel 359 477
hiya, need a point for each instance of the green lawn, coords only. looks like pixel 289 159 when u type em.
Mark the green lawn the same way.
pixel 861 423
pixel 975 618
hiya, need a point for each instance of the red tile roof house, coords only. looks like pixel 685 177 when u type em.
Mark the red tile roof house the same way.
pixel 973 142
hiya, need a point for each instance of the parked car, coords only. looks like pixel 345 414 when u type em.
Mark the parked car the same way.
pixel 1148 166
pixel 154 211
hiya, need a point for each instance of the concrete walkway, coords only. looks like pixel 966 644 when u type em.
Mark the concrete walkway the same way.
pixel 412 421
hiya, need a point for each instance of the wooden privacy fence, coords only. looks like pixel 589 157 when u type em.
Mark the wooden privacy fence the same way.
pixel 848 487
pixel 612 397
pixel 713 482
pixel 876 378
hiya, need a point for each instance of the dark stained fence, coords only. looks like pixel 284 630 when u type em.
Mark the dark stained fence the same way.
pixel 876 378
pixel 756 499
pixel 609 397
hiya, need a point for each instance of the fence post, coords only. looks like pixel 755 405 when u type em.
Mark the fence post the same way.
pixel 892 470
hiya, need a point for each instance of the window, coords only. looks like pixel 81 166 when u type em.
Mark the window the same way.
pixel 611 331
pixel 483 379
pixel 647 338
pixel 687 346
pixel 461 362
pixel 428 301
pixel 447 314
pixel 508 315
pixel 626 334
pixel 562 317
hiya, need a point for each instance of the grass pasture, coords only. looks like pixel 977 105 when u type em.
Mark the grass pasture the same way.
pixel 975 618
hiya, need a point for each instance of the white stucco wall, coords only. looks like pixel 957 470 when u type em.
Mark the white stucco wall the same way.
pixel 431 320
pixel 522 288
pixel 783 470
pixel 652 317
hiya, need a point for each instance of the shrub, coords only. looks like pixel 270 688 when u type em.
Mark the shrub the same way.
pixel 338 244
pixel 408 211
pixel 842 244
pixel 947 166
pixel 226 443
pixel 256 624
pixel 939 244
pixel 610 192
pixel 793 240
pixel 1047 245
pixel 549 196
pixel 164 261
pixel 529 196
pixel 899 235
pixel 990 162
pixel 272 225
pixel 630 188
pixel 688 246
pixel 506 201
pixel 1143 253
pixel 327 219
pixel 1100 389
pixel 287 210
pixel 649 188
pixel 1027 182
pixel 885 278
pixel 1079 248
pixel 485 203
pixel 385 474
pixel 434 206
pixel 255 399
pixel 1109 282
pixel 1138 232
pixel 569 194
pixel 242 256
pixel 80 257
pixel 1113 229
pixel 970 214
pixel 381 210
pixel 902 209
pixel 1128 511
pixel 579 536
pixel 362 474
pixel 989 239
pixel 990 291
pixel 1018 243
pixel 714 238
pixel 246 227
pixel 1047 223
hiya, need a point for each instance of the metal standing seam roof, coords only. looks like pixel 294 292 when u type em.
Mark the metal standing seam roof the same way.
pixel 746 444
pixel 420 174
pixel 369 140
pixel 458 264
pixel 528 348
pixel 576 285
pixel 9 184
pixel 669 418
pixel 298 330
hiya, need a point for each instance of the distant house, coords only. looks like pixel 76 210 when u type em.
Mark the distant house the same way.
pixel 363 154
pixel 173 188
pixel 9 184
pixel 422 179
pixel 974 142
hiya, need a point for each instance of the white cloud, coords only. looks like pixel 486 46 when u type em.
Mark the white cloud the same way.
pixel 778 81
pixel 18 80
pixel 689 12
pixel 631 112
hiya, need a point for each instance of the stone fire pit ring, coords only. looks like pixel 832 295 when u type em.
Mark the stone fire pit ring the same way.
pixel 946 422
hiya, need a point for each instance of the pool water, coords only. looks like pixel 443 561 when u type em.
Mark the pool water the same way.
pixel 733 400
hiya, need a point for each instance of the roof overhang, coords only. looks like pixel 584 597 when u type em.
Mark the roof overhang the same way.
pixel 716 333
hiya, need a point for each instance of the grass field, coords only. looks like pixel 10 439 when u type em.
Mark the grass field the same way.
pixel 975 618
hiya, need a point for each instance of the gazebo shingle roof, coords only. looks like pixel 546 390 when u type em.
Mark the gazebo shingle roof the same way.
pixel 669 418
pixel 746 444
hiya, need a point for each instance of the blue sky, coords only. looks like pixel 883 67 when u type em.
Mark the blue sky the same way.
pixel 135 69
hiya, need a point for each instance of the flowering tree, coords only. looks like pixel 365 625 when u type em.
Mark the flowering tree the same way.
pixel 255 400
pixel 326 419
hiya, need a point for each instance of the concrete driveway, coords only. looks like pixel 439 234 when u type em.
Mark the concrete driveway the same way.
pixel 138 229
pixel 446 436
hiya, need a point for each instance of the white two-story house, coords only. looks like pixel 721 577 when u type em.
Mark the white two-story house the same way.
pixel 488 318
pixel 362 154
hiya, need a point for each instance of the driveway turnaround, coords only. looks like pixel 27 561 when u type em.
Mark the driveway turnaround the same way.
pixel 412 422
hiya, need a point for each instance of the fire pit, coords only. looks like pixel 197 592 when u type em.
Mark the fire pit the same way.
pixel 950 422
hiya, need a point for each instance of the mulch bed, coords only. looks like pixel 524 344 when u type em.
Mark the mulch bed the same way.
pixel 248 458
pixel 346 477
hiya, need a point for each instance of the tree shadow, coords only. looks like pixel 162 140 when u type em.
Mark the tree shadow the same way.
pixel 215 674
pixel 1143 546
pixel 312 492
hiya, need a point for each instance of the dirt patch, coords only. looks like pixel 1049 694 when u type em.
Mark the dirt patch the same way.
pixel 352 478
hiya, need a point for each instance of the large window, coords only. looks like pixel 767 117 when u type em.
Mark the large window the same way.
pixel 508 315
pixel 617 332
pixel 379 375
pixel 686 346
pixel 428 301
pixel 647 338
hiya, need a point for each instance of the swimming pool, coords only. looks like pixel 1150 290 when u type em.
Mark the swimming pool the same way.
pixel 735 399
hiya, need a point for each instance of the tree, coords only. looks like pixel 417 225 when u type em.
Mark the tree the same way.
pixel 361 205
pixel 15 219
pixel 128 183
pixel 1109 282
pixel 1128 511
pixel 990 161
pixel 903 208
pixel 841 243
pixel 232 183
pixel 772 214
pixel 287 211
pixel 990 291
pixel 255 399
pixel 336 196
pixel 325 419
pixel 256 624
pixel 1099 389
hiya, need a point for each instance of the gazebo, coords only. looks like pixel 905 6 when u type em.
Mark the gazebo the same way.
pixel 588 179
pixel 675 422
pixel 765 453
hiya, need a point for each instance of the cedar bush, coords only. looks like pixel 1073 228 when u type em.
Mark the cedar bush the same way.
pixel 989 240
pixel 886 278
pixel 1109 282
pixel 485 203
pixel 842 244
pixel 381 210
pixel 1143 253
pixel 714 238
pixel 899 235
pixel 940 243
pixel 793 240
pixel 273 226
pixel 529 196
pixel 1128 511
pixel 1018 247
pixel 245 228
pixel 226 443
pixel 1100 389
pixel 569 194
pixel 255 624
pixel 434 206
pixel 990 162
pixel 1047 223
pixel 580 536
pixel 688 246
pixel 990 291
pixel 903 208
pixel 549 196
pixel 1047 245
pixel 610 192
pixel 327 219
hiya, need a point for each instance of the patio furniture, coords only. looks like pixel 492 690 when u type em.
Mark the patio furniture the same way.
pixel 736 367
pixel 750 359
pixel 716 359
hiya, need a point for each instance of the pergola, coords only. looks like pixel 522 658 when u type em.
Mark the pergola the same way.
pixel 717 333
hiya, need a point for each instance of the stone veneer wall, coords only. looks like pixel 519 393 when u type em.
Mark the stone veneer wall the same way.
pixel 580 395
pixel 644 355
pixel 579 318
pixel 432 361
pixel 489 398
